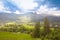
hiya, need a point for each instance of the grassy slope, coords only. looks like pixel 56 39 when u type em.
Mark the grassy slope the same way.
pixel 15 36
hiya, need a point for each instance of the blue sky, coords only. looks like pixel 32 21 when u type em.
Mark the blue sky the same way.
pixel 24 6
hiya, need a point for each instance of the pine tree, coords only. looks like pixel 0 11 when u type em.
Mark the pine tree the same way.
pixel 36 32
pixel 46 26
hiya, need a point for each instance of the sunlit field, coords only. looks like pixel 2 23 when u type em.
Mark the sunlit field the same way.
pixel 14 36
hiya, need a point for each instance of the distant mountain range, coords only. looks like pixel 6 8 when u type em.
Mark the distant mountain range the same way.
pixel 30 17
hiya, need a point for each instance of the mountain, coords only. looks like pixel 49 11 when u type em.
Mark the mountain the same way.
pixel 40 17
pixel 28 17
pixel 11 17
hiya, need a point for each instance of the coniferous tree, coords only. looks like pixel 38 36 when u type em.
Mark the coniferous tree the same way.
pixel 36 32
pixel 46 25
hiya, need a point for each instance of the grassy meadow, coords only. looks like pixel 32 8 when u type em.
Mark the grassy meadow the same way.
pixel 14 36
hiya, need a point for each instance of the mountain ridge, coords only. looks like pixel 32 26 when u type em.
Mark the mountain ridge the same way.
pixel 6 17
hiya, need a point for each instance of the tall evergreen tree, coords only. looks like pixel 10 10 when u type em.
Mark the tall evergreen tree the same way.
pixel 36 32
pixel 46 25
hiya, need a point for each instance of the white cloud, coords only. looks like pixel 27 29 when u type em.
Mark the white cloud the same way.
pixel 28 6
pixel 25 4
pixel 17 12
pixel 20 3
pixel 55 12
pixel 6 11
pixel 42 9
pixel 45 10
pixel 3 8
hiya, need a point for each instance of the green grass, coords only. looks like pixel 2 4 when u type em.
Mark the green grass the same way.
pixel 15 36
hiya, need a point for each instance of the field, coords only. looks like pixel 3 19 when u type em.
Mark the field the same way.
pixel 15 36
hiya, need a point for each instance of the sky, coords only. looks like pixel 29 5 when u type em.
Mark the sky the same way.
pixel 24 6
